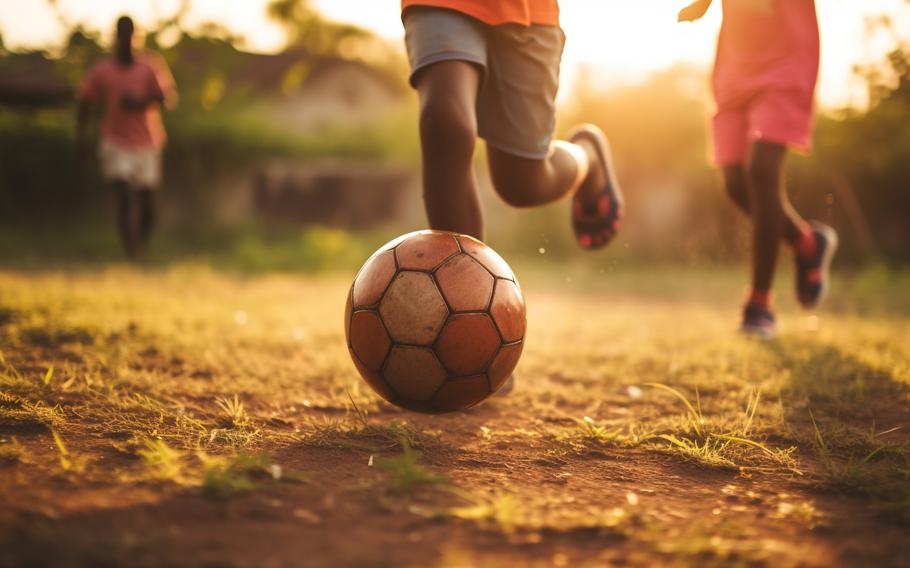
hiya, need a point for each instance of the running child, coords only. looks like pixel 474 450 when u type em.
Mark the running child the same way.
pixel 490 69
pixel 764 86
pixel 131 87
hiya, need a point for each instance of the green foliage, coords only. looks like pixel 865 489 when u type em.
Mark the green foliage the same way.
pixel 314 249
pixel 310 30
pixel 226 476
pixel 404 471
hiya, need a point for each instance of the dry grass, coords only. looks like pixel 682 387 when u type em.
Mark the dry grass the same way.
pixel 199 377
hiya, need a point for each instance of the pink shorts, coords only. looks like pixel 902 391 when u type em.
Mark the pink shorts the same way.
pixel 784 117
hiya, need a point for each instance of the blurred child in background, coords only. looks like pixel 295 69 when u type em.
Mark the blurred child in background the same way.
pixel 131 87
pixel 764 86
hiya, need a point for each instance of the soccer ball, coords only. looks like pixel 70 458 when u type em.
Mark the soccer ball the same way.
pixel 435 321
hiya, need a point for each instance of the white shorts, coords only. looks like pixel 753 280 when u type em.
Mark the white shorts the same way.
pixel 140 168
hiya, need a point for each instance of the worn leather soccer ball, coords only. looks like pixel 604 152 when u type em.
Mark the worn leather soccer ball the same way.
pixel 435 321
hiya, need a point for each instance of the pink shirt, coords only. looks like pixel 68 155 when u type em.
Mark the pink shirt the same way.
pixel 108 81
pixel 766 45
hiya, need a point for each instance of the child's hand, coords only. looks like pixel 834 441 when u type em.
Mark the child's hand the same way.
pixel 694 11
pixel 132 102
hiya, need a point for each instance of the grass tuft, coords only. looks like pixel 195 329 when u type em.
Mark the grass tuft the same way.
pixel 588 434
pixel 225 476
pixel 724 444
pixel 233 412
pixel 19 412
pixel 880 472
pixel 69 462
pixel 404 471
pixel 501 511
pixel 162 462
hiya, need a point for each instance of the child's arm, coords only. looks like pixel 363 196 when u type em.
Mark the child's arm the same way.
pixel 694 11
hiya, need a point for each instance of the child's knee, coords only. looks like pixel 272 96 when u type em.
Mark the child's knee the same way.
pixel 514 191
pixel 517 181
pixel 447 130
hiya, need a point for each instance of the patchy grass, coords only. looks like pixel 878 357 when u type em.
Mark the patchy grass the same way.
pixel 17 412
pixel 225 476
pixel 354 430
pixel 682 444
pixel 721 443
pixel 162 462
pixel 876 469
pixel 404 471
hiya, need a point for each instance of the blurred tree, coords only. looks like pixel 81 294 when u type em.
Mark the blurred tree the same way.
pixel 307 28
pixel 868 151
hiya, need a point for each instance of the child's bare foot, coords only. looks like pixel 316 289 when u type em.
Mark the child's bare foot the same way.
pixel 597 205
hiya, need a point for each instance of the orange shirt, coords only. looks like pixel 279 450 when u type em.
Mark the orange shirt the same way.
pixel 496 12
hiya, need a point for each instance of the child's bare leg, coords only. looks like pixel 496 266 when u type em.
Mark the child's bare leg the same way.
pixel 765 174
pixel 525 182
pixel 448 133
pixel 737 186
pixel 126 217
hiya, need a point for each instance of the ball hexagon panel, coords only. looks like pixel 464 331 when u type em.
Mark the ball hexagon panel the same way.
pixel 503 364
pixel 413 309
pixel 425 250
pixel 467 343
pixel 466 285
pixel 369 340
pixel 486 256
pixel 457 394
pixel 374 380
pixel 508 311
pixel 414 372
pixel 373 279
pixel 396 241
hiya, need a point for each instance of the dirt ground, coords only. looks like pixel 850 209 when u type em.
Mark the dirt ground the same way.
pixel 186 417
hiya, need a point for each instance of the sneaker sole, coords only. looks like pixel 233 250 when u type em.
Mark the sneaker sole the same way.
pixel 758 332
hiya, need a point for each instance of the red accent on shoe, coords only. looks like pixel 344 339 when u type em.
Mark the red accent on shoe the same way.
pixel 806 246
pixel 814 276
pixel 759 298
pixel 603 205
pixel 585 240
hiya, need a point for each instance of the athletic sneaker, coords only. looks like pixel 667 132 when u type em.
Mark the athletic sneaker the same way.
pixel 758 322
pixel 596 222
pixel 812 276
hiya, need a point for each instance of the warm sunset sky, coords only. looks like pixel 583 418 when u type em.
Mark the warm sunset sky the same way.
pixel 621 40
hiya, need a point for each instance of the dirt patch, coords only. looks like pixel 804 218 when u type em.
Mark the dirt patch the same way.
pixel 212 440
